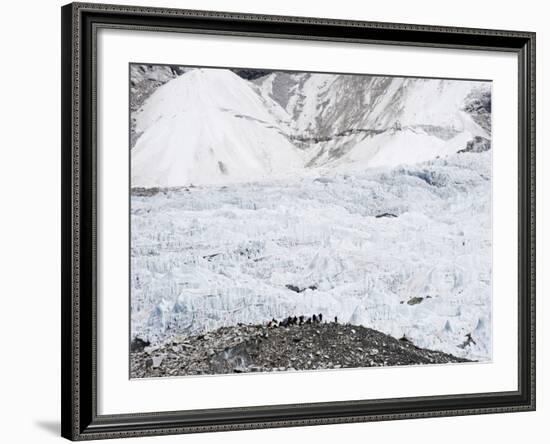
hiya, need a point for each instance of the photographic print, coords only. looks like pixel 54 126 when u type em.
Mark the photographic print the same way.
pixel 298 221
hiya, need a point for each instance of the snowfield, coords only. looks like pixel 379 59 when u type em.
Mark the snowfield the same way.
pixel 359 197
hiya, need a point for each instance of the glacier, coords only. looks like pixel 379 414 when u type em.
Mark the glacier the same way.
pixel 243 189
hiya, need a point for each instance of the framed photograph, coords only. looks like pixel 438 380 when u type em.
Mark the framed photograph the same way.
pixel 282 221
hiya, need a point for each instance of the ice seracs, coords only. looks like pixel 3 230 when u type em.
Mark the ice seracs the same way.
pixel 212 258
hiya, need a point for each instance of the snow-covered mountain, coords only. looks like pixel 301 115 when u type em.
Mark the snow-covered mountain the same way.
pixel 322 105
pixel 211 126
pixel 332 115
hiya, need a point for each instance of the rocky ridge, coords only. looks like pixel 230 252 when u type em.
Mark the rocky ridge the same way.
pixel 271 347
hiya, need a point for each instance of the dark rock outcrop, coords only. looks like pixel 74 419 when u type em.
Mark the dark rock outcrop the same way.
pixel 478 105
pixel 297 289
pixel 415 300
pixel 378 216
pixel 263 348
pixel 477 145
pixel 138 345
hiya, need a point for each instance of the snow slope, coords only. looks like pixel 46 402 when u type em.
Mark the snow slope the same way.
pixel 333 114
pixel 209 126
pixel 328 104
pixel 407 146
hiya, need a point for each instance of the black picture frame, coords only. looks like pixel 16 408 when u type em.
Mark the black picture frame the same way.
pixel 80 420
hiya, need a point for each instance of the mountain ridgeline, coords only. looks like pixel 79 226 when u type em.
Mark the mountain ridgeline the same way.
pixel 194 126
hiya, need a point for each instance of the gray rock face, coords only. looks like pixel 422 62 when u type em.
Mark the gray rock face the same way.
pixel 144 80
pixel 478 105
pixel 329 114
pixel 477 145
pixel 250 74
